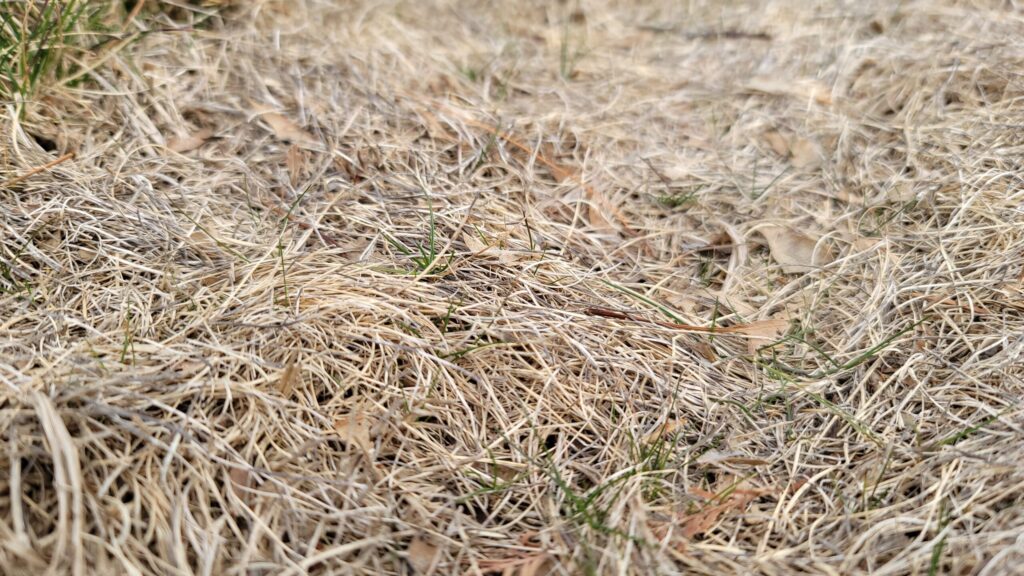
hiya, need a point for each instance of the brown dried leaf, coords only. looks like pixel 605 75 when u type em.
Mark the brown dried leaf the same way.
pixel 190 142
pixel 735 458
pixel 510 257
pixel 474 242
pixel 520 564
pixel 665 429
pixel 240 478
pixel 541 565
pixel 702 521
pixel 803 89
pixel 241 481
pixel 818 92
pixel 778 143
pixel 763 332
pixel 190 366
pixel 296 162
pixel 795 251
pixel 806 153
pixel 596 217
pixel 421 555
pixel 706 518
pixel 771 86
pixel 867 243
pixel 284 128
pixel 354 429
pixel 705 350
pixel 289 379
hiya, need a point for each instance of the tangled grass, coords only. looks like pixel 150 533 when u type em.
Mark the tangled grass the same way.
pixel 520 288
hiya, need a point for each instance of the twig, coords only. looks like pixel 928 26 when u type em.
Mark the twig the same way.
pixel 37 170
pixel 623 315
pixel 135 12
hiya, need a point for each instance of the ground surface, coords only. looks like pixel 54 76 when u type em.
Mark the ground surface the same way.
pixel 375 288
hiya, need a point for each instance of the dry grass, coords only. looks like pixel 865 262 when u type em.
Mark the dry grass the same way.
pixel 390 288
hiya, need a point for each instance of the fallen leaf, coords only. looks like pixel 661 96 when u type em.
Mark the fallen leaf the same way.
pixel 520 565
pixel 866 243
pixel 190 142
pixel 663 430
pixel 805 153
pixel 778 143
pixel 596 217
pixel 510 257
pixel 818 92
pixel 763 332
pixel 296 162
pixel 702 521
pixel 771 86
pixel 541 565
pixel 735 458
pixel 794 251
pixel 474 242
pixel 354 429
pixel 421 555
pixel 705 519
pixel 289 379
pixel 803 89
pixel 705 350
pixel 900 192
pixel 284 128
pixel 242 480
pixel 600 204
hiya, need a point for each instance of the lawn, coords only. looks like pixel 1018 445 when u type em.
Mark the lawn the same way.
pixel 521 288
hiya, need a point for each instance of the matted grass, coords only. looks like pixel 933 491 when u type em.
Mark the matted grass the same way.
pixel 401 288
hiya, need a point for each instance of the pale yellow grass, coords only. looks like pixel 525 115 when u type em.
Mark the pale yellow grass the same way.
pixel 389 288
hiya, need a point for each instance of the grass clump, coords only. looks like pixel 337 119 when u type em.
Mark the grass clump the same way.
pixel 290 295
pixel 39 39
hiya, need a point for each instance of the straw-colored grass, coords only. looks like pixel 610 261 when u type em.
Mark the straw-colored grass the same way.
pixel 394 288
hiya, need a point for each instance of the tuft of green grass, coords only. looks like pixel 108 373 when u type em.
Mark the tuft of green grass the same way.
pixel 678 199
pixel 43 42
pixel 425 253
pixel 585 509
pixel 35 40
pixel 9 282
pixel 945 515
pixel 756 194
pixel 569 54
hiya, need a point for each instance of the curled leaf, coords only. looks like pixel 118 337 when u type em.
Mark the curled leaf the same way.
pixel 705 519
pixel 421 555
pixel 474 242
pixel 289 379
pixel 778 143
pixel 296 162
pixel 805 153
pixel 663 430
pixel 796 252
pixel 803 89
pixel 734 458
pixel 596 210
pixel 189 142
pixel 354 429
pixel 283 128
pixel 763 332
